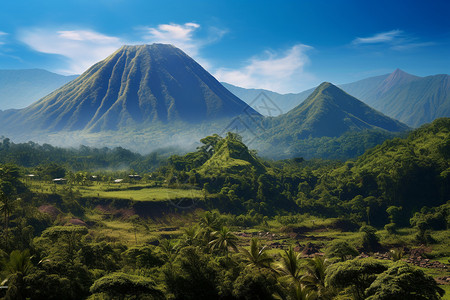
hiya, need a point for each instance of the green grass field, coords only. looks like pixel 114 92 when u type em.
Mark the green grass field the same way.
pixel 135 192
pixel 144 194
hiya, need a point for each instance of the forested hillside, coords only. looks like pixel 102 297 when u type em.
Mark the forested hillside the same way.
pixel 222 223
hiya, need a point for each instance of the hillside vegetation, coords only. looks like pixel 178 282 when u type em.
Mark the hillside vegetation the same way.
pixel 222 223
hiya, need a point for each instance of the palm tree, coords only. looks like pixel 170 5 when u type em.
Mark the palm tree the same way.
pixel 6 208
pixel 299 291
pixel 190 237
pixel 289 268
pixel 169 250
pixel 315 272
pixel 17 267
pixel 210 220
pixel 19 262
pixel 209 223
pixel 257 256
pixel 222 240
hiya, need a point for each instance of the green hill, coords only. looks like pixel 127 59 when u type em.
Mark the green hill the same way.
pixel 329 111
pixel 410 173
pixel 231 156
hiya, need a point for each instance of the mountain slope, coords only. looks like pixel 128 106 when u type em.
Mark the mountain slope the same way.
pixel 131 89
pixel 20 88
pixel 283 102
pixel 329 111
pixel 408 98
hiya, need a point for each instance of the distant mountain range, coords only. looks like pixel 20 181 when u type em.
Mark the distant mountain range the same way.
pixel 153 95
pixel 282 102
pixel 411 99
pixel 20 88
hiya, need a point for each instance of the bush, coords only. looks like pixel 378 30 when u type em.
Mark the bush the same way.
pixel 391 228
pixel 341 250
pixel 370 241
pixel 402 281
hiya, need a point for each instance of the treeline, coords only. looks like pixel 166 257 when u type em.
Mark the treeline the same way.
pixel 347 146
pixel 84 158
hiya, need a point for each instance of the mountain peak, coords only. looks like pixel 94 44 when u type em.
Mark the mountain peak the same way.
pixel 398 73
pixel 147 46
pixel 136 86
pixel 329 111
pixel 325 85
pixel 398 77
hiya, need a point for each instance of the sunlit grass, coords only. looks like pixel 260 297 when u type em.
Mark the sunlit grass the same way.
pixel 136 192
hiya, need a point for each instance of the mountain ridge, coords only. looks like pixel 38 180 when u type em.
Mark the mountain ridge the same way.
pixel 411 99
pixel 327 105
pixel 20 87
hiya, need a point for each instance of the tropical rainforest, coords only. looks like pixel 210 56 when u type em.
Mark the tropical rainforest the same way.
pixel 223 223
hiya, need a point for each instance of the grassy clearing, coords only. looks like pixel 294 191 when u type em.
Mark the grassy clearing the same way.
pixel 144 194
pixel 128 191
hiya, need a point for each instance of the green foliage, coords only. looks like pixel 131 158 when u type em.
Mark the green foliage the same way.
pixel 142 257
pixel 394 213
pixel 341 250
pixel 436 218
pixel 316 270
pixel 391 228
pixel 289 267
pixel 56 232
pixel 53 162
pixel 120 284
pixel 193 275
pixel 396 254
pixel 223 240
pixel 257 256
pixel 19 262
pixel 401 281
pixel 370 240
pixel 357 274
pixel 401 172
pixel 254 284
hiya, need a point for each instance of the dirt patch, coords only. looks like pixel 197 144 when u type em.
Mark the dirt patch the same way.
pixel 77 222
pixel 311 249
pixel 121 213
pixel 50 210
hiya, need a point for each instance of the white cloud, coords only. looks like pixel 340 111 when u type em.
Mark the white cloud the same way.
pixel 409 46
pixel 383 37
pixel 282 73
pixel 82 48
pixel 183 37
pixel 178 35
pixel 396 40
pixel 2 35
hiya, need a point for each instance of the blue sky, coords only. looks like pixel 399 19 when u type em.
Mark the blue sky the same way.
pixel 285 46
